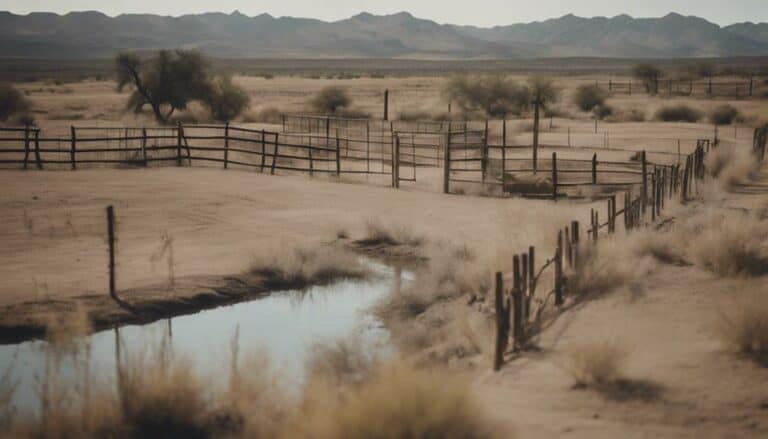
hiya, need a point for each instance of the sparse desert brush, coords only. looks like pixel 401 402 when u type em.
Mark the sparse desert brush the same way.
pixel 376 232
pixel 308 264
pixel 398 401
pixel 678 113
pixel 330 100
pixel 743 326
pixel 729 244
pixel 723 114
pixel 731 165
pixel 12 102
pixel 606 267
pixel 602 111
pixel 595 363
pixel 627 115
pixel 589 96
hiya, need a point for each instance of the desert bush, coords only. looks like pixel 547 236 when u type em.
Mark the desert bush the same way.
pixel 723 115
pixel 495 95
pixel 558 112
pixel 345 361
pixel 12 102
pixel 731 165
pixel 604 268
pixel 330 100
pixel 397 402
pixel 730 244
pixel 649 74
pixel 678 113
pixel 629 115
pixel 226 100
pixel 413 115
pixel 743 326
pixel 376 232
pixel 602 111
pixel 589 96
pixel 595 364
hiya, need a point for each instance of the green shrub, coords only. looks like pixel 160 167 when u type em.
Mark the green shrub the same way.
pixel 226 100
pixel 330 100
pixel 494 95
pixel 12 102
pixel 678 113
pixel 724 115
pixel 589 96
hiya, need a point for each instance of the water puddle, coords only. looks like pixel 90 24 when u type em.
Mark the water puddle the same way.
pixel 283 325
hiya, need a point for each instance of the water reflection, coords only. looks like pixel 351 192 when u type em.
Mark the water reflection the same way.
pixel 282 325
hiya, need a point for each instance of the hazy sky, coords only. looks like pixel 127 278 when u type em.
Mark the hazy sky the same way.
pixel 477 12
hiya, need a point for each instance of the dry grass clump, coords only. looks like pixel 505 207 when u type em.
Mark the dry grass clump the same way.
pixel 163 398
pixel 592 364
pixel 731 165
pixel 340 362
pixel 730 244
pixel 627 115
pixel 678 113
pixel 606 267
pixel 397 402
pixel 304 265
pixel 589 96
pixel 376 232
pixel 743 327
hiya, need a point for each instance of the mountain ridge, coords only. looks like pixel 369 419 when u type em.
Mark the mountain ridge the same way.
pixel 93 34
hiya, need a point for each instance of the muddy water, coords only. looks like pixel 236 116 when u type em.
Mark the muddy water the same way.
pixel 283 325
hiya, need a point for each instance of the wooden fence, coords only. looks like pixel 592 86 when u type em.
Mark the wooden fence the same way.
pixel 516 321
pixel 681 87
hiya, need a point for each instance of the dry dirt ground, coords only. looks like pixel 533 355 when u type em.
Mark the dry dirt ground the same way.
pixel 669 330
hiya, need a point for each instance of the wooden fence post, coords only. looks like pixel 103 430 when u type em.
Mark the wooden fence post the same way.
pixel 653 196
pixel 502 314
pixel 263 150
pixel 524 284
pixel 386 104
pixel 111 243
pixel 396 164
pixel 178 143
pixel 277 151
pixel 575 243
pixel 517 296
pixel 338 155
pixel 26 145
pixel 73 148
pixel 559 269
pixel 447 163
pixel 594 168
pixel 626 211
pixel 531 271
pixel 536 104
pixel 568 247
pixel 503 153
pixel 644 188
pixel 38 157
pixel 226 142
pixel 144 146
pixel 554 176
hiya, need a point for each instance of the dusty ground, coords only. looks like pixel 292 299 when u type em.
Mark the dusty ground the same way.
pixel 668 329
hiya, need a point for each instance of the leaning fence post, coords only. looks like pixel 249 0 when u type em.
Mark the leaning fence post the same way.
pixel 594 168
pixel 226 142
pixel 501 327
pixel 73 148
pixel 559 269
pixel 554 176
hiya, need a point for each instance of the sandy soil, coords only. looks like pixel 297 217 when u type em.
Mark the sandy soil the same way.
pixel 668 328
pixel 54 231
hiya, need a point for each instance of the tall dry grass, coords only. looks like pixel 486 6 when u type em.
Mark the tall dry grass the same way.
pixel 378 232
pixel 743 325
pixel 306 264
pixel 596 363
pixel 731 165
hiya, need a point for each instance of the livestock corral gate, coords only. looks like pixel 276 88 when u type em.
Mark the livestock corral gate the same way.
pixel 334 146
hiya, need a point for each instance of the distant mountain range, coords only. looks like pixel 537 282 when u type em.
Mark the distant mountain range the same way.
pixel 95 35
